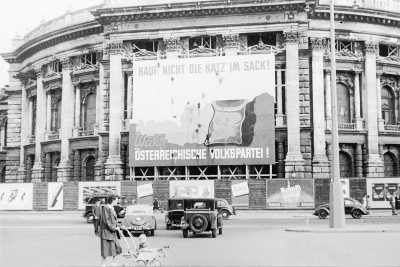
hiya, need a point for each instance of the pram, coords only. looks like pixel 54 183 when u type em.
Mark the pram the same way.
pixel 144 257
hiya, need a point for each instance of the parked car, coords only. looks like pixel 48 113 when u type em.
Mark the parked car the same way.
pixel 201 215
pixel 351 206
pixel 225 209
pixel 140 219
pixel 175 212
pixel 90 201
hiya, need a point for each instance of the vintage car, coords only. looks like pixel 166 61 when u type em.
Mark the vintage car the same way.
pixel 351 206
pixel 90 201
pixel 140 219
pixel 175 212
pixel 225 209
pixel 201 215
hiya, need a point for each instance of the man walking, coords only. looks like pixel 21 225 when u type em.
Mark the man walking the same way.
pixel 392 200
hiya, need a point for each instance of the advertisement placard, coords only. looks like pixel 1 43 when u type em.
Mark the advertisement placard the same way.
pixel 240 189
pixel 346 187
pixel 380 190
pixel 89 189
pixel 290 193
pixel 145 190
pixel 16 196
pixel 55 196
pixel 196 189
pixel 203 111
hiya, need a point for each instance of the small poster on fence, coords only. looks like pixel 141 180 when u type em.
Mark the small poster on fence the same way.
pixel 145 190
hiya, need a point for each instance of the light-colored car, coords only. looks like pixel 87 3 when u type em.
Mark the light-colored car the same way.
pixel 140 219
pixel 351 206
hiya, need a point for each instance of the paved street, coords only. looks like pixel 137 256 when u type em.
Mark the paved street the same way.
pixel 252 238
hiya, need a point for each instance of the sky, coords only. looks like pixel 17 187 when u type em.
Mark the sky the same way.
pixel 22 16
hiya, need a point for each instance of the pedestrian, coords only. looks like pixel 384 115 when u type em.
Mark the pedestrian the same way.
pixel 108 232
pixel 96 210
pixel 366 202
pixel 392 204
pixel 156 205
pixel 397 202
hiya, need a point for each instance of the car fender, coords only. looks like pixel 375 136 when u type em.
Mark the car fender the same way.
pixel 87 213
pixel 327 210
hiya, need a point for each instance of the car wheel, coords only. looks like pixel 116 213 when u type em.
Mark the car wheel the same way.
pixel 220 230
pixel 214 233
pixel 89 218
pixel 322 214
pixel 356 214
pixel 168 227
pixel 185 233
pixel 151 232
pixel 140 263
pixel 225 215
pixel 198 223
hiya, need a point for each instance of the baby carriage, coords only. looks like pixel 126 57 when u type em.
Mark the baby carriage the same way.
pixel 143 257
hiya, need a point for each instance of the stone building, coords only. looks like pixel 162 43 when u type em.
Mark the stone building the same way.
pixel 62 119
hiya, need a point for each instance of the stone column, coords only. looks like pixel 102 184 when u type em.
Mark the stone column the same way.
pixel 172 47
pixel 26 106
pixel 48 113
pixel 129 97
pixel 30 119
pixel 231 44
pixel 37 170
pixel 67 123
pixel 357 101
pixel 294 160
pixel 47 168
pixel 279 99
pixel 77 127
pixel 114 162
pixel 77 166
pixel 328 101
pixel 373 162
pixel 358 160
pixel 381 122
pixel 320 163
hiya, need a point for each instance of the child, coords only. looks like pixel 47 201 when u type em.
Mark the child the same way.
pixel 143 243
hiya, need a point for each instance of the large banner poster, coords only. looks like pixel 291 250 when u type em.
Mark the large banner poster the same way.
pixel 55 196
pixel 381 190
pixel 203 111
pixel 290 193
pixel 18 196
pixel 89 189
pixel 195 189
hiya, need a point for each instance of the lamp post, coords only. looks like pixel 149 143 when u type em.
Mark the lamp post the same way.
pixel 336 201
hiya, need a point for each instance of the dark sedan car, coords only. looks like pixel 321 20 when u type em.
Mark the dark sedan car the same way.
pixel 351 206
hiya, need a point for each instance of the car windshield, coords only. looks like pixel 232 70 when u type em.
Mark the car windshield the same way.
pixel 176 205
pixel 199 205
pixel 139 210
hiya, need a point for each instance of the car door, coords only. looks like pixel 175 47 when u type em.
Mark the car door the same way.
pixel 348 206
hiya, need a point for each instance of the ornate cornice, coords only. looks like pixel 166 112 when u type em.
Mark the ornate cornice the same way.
pixel 371 48
pixel 30 83
pixel 230 40
pixel 318 44
pixel 292 37
pixel 345 78
pixel 172 44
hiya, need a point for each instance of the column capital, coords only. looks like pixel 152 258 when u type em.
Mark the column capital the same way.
pixel 292 37
pixel 318 44
pixel 328 71
pixel 67 63
pixel 172 43
pixel 115 47
pixel 231 40
pixel 371 48
pixel 39 70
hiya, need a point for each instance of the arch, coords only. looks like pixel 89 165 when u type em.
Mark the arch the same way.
pixel 3 174
pixel 88 168
pixel 346 164
pixel 390 164
pixel 388 105
pixel 343 103
pixel 89 105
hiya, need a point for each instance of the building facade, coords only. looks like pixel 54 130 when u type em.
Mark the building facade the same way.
pixel 65 114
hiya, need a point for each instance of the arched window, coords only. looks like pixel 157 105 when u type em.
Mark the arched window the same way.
pixel 56 116
pixel 343 103
pixel 3 175
pixel 346 165
pixel 388 106
pixel 54 169
pixel 390 166
pixel 90 162
pixel 89 115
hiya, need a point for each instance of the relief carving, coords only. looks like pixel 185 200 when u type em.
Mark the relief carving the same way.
pixel 371 48
pixel 292 37
pixel 345 78
pixel 391 82
pixel 319 44
pixel 231 40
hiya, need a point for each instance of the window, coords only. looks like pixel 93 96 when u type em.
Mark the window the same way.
pixel 388 51
pixel 56 116
pixel 390 168
pixel 89 112
pixel 148 45
pixel 388 106
pixel 344 46
pixel 204 41
pixel 343 103
pixel 346 166
pixel 268 38
pixel 89 59
pixel 56 66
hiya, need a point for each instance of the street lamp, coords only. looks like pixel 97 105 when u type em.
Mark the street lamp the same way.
pixel 336 201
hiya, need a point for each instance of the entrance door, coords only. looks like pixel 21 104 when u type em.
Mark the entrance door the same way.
pixel 90 168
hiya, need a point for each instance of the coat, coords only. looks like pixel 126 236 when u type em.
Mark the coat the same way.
pixel 96 210
pixel 108 224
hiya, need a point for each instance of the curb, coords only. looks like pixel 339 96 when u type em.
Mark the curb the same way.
pixel 342 230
